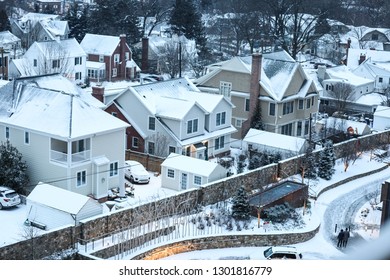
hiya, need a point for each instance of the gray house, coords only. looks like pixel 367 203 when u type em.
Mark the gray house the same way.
pixel 180 172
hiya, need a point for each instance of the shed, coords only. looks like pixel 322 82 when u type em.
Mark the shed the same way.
pixel 381 118
pixel 264 141
pixel 180 172
pixel 51 207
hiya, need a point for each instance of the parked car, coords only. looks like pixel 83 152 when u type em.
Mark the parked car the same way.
pixel 136 172
pixel 282 252
pixel 8 197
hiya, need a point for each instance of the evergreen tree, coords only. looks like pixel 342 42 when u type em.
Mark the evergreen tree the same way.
pixel 77 20
pixel 4 21
pixel 13 168
pixel 309 164
pixel 256 121
pixel 186 20
pixel 241 207
pixel 326 162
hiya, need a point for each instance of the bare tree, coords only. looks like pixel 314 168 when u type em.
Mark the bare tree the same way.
pixel 173 56
pixel 161 143
pixel 358 33
pixel 342 93
pixel 153 13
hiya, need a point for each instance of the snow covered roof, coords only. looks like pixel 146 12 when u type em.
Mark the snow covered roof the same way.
pixel 7 37
pixel 99 44
pixel 374 55
pixel 57 198
pixel 344 74
pixel 382 111
pixel 190 164
pixel 69 46
pixel 342 125
pixel 56 106
pixel 55 28
pixel 275 140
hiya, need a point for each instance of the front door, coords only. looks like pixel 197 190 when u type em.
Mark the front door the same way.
pixel 184 181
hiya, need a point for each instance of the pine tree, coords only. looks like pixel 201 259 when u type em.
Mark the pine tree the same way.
pixel 309 164
pixel 77 19
pixel 13 168
pixel 326 162
pixel 4 21
pixel 256 121
pixel 241 207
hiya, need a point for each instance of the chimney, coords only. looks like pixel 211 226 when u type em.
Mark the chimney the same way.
pixel 98 93
pixel 145 54
pixel 349 41
pixel 321 72
pixel 254 91
pixel 362 58
pixel 122 62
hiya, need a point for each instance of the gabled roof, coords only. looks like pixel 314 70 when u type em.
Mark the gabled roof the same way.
pixel 55 106
pixel 376 56
pixel 57 198
pixel 69 47
pixel 343 74
pixel 382 111
pixel 7 37
pixel 190 164
pixel 99 44
pixel 55 28
pixel 275 140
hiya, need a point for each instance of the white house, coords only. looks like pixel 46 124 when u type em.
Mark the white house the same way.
pixel 377 71
pixel 63 134
pixel 51 207
pixel 65 57
pixel 175 117
pixel 381 118
pixel 180 172
pixel 269 142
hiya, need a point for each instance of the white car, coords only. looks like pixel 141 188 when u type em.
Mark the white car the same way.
pixel 282 252
pixel 136 172
pixel 8 197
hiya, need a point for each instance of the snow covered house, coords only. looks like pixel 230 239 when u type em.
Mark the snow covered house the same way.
pixel 336 125
pixel 50 207
pixel 38 27
pixel 286 95
pixel 10 48
pixel 377 71
pixel 175 117
pixel 358 56
pixel 261 141
pixel 65 57
pixel 63 134
pixel 179 172
pixel 109 58
pixel 381 119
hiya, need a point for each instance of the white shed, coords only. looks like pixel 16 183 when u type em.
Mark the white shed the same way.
pixel 51 207
pixel 180 172
pixel 381 118
pixel 264 141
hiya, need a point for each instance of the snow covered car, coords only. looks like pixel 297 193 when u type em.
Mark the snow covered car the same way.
pixel 136 172
pixel 282 252
pixel 8 197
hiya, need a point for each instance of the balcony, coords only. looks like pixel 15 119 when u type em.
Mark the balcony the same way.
pixel 59 151
pixel 62 157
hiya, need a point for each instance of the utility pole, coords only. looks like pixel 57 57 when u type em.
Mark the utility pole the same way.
pixel 179 59
pixel 2 62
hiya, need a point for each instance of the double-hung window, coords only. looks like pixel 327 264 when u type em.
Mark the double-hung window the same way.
pixel 220 119
pixel 192 126
pixel 81 178
pixel 113 169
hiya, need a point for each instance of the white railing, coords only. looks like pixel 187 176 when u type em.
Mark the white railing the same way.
pixel 62 157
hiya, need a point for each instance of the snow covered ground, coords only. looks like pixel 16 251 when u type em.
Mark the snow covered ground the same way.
pixel 341 206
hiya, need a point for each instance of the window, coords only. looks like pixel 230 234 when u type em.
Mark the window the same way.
pixel 26 137
pixel 101 58
pixel 312 101
pixel 151 148
pixel 220 119
pixel 300 104
pixel 247 105
pixel 308 103
pixel 272 109
pixel 192 126
pixel 35 62
pixel 6 132
pixel 299 128
pixel 329 87
pixel 225 89
pixel 219 143
pixel 127 55
pixel 287 129
pixel 171 173
pixel 78 76
pixel 78 60
pixel 55 63
pixel 238 122
pixel 374 37
pixel 197 180
pixel 81 178
pixel 116 58
pixel 288 107
pixel 171 149
pixel 380 79
pixel 306 127
pixel 134 142
pixel 114 72
pixel 113 169
pixel 152 123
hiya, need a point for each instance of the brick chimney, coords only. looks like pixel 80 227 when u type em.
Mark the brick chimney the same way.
pixel 98 93
pixel 122 59
pixel 145 54
pixel 254 91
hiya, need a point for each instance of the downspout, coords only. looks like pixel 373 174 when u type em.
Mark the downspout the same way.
pixel 69 155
